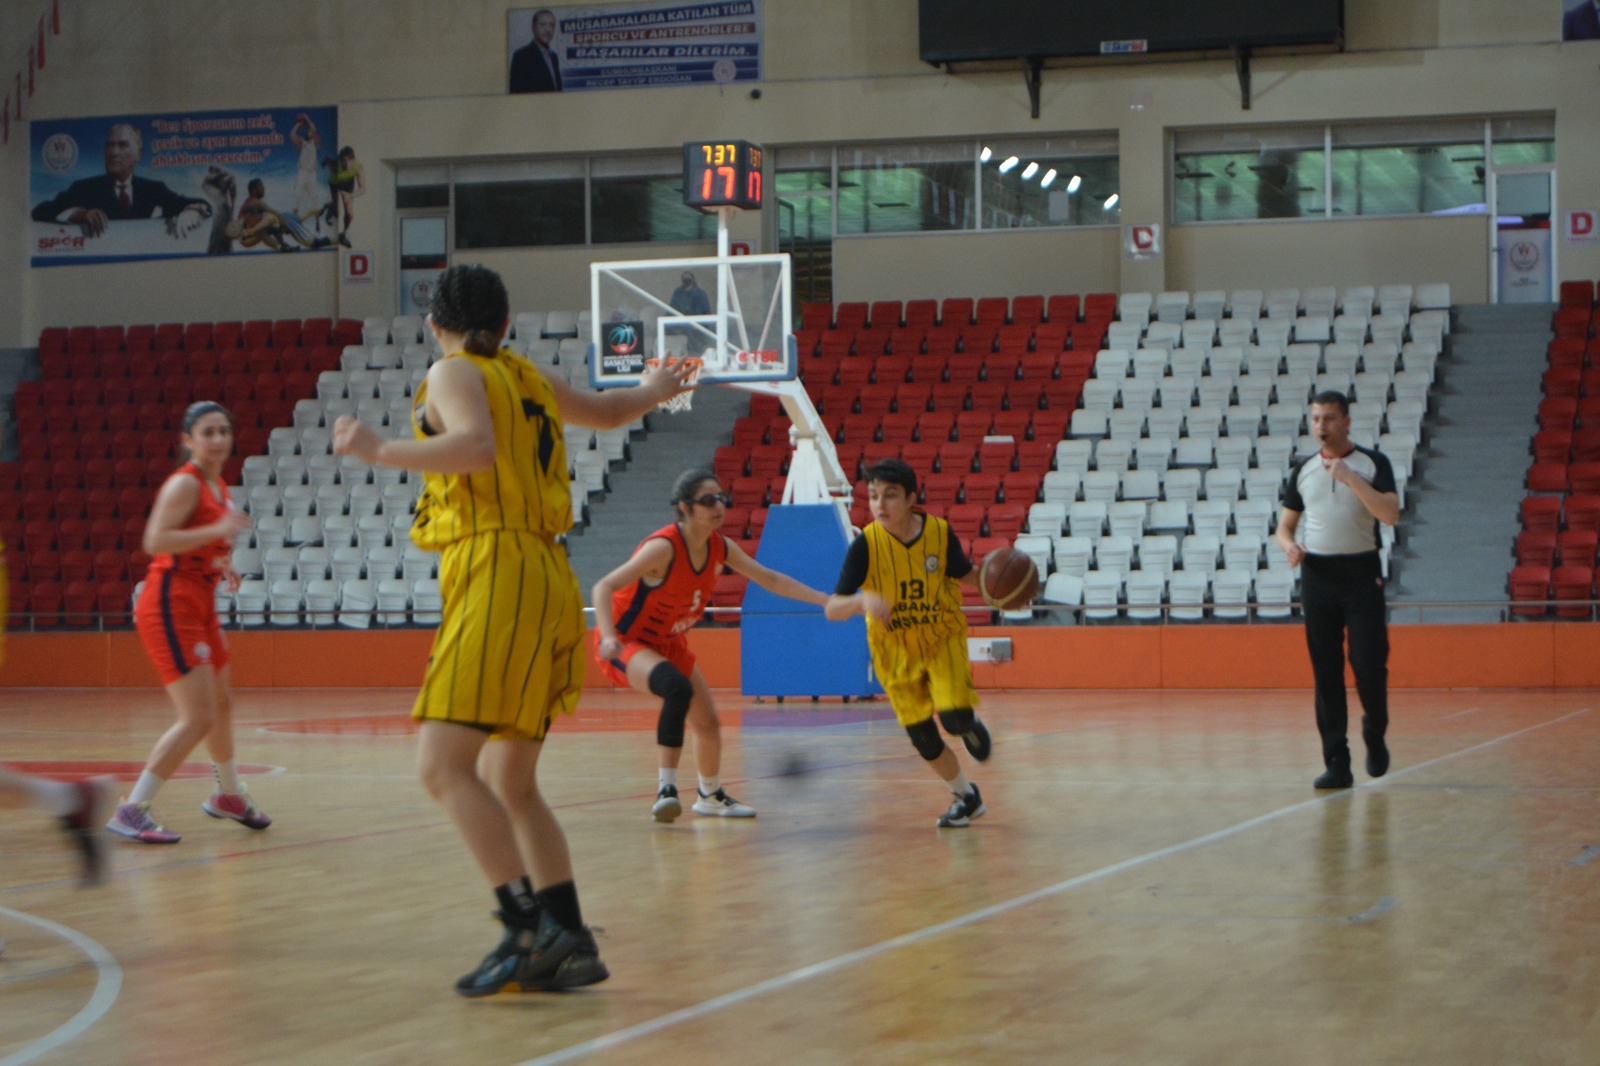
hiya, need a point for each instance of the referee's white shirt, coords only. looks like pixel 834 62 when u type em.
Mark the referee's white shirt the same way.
pixel 1336 522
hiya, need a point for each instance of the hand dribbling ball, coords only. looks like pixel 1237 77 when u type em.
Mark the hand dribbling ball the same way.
pixel 1008 579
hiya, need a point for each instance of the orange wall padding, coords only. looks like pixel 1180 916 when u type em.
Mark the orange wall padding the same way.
pixel 1513 655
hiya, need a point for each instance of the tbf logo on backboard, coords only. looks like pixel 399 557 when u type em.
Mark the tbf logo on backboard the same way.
pixel 1141 240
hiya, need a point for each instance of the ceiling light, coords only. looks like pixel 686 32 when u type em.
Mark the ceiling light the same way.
pixel 1049 177
pixel 1030 170
pixel 1111 201
pixel 1075 183
pixel 983 156
pixel 1010 162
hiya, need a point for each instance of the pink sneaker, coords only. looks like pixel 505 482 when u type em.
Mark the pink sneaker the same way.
pixel 238 807
pixel 134 821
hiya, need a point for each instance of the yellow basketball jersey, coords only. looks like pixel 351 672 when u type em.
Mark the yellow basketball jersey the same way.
pixel 526 488
pixel 924 600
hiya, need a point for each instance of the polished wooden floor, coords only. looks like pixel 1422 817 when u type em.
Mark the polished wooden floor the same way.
pixel 1155 882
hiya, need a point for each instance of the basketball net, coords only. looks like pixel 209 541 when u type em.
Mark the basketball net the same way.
pixel 683 401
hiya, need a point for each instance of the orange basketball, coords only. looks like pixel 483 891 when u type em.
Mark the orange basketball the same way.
pixel 1008 579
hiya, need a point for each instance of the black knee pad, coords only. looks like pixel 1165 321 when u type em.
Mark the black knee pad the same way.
pixel 926 739
pixel 958 722
pixel 676 691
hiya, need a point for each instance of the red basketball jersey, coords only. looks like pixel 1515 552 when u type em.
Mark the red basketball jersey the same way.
pixel 651 614
pixel 208 560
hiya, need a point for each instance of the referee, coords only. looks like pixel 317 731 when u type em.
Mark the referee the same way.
pixel 1343 492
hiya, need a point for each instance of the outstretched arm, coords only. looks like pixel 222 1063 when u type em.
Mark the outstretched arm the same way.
pixel 611 408
pixel 779 584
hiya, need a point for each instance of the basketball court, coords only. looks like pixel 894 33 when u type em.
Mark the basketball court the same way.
pixel 1154 881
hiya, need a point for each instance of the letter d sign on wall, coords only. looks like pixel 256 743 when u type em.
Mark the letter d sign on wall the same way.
pixel 1141 241
pixel 1580 228
pixel 356 267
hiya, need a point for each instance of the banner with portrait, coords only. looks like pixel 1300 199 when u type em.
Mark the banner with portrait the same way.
pixel 632 46
pixel 122 188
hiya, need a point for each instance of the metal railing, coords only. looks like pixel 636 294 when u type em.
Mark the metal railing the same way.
pixel 1040 614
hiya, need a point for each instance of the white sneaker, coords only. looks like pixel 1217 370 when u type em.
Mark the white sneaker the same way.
pixel 722 805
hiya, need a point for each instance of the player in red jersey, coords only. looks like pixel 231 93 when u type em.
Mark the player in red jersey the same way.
pixel 190 539
pixel 642 610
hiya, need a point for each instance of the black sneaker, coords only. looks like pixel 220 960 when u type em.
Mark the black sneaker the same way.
pixel 667 806
pixel 1336 776
pixel 97 798
pixel 963 809
pixel 977 741
pixel 499 967
pixel 1377 758
pixel 560 958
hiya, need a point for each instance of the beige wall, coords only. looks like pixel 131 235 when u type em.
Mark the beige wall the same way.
pixel 415 84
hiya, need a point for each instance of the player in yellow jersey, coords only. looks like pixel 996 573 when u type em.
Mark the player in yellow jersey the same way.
pixel 81 806
pixel 902 574
pixel 508 656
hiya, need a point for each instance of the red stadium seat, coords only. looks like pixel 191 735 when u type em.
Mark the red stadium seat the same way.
pixel 1578 547
pixel 816 316
pixel 1573 583
pixel 955 311
pixel 1063 309
pixel 1584 478
pixel 138 339
pixel 1027 310
pixel 992 310
pixel 1548 477
pixel 226 336
pixel 1541 513
pixel 197 337
pixel 1530 583
pixel 921 314
pixel 1536 547
pixel 885 314
pixel 851 315
pixel 1582 511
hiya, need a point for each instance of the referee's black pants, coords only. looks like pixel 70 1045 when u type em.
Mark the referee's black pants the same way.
pixel 1340 594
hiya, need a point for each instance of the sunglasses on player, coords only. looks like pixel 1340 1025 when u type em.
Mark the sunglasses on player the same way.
pixel 712 499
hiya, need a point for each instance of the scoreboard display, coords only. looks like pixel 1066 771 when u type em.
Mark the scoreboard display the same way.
pixel 722 174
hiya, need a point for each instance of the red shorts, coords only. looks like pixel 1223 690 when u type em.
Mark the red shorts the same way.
pixel 177 619
pixel 675 651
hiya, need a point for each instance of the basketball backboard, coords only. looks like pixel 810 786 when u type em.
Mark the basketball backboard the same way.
pixel 731 312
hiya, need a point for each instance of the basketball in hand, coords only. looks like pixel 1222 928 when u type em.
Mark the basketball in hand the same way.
pixel 1008 579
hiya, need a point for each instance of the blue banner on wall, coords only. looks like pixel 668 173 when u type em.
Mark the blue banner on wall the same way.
pixel 121 188
pixel 632 46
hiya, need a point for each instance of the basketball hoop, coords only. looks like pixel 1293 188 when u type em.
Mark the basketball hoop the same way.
pixel 683 401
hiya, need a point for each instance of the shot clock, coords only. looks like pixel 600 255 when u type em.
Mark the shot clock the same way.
pixel 722 174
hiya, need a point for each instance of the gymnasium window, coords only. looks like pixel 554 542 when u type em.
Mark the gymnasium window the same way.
pixel 519 204
pixel 974 185
pixel 639 198
pixel 1351 170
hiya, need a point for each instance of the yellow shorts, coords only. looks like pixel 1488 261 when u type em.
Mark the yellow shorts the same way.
pixel 508 656
pixel 931 677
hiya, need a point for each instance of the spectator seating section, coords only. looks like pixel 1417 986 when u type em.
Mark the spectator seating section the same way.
pixel 1164 453
pixel 1554 554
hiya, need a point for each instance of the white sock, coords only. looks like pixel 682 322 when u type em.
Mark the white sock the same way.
pixel 959 784
pixel 709 785
pixel 227 775
pixel 145 791
pixel 57 797
pixel 669 776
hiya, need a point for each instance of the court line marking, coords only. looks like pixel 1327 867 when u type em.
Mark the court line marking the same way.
pixel 839 962
pixel 108 985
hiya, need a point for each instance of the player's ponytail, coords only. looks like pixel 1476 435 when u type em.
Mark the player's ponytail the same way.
pixel 472 301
